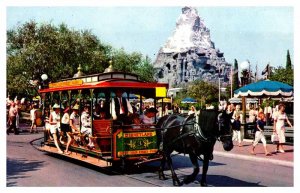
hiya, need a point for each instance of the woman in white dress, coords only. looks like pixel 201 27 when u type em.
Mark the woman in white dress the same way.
pixel 279 126
pixel 54 121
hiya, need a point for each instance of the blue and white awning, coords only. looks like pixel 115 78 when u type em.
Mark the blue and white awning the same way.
pixel 189 100
pixel 265 88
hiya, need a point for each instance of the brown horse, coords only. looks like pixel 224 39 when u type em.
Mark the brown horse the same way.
pixel 185 135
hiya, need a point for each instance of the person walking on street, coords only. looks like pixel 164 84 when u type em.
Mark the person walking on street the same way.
pixel 176 109
pixel 236 127
pixel 259 134
pixel 279 127
pixel 192 110
pixel 18 109
pixel 12 119
pixel 33 118
pixel 54 121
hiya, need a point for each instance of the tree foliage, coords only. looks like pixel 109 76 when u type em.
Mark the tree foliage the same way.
pixel 288 61
pixel 34 49
pixel 203 91
pixel 283 75
pixel 235 77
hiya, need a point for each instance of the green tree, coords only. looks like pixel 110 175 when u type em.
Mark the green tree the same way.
pixel 145 70
pixel 134 63
pixel 34 49
pixel 288 61
pixel 235 76
pixel 283 75
pixel 200 90
pixel 286 74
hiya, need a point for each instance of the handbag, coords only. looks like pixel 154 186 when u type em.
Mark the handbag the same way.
pixel 274 138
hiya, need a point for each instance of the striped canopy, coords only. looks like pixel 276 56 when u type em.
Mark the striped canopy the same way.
pixel 265 88
pixel 189 100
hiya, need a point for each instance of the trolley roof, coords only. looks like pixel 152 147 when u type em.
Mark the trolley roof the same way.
pixel 108 80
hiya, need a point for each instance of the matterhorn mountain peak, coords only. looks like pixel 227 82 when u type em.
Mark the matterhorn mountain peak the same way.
pixel 189 54
pixel 190 32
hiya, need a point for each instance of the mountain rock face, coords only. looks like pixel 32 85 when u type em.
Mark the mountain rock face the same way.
pixel 189 54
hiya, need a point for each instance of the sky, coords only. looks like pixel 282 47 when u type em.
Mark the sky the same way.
pixel 260 34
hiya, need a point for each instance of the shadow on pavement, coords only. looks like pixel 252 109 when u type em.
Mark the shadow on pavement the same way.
pixel 225 181
pixel 17 168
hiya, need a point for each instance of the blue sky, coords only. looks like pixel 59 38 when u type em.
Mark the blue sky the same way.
pixel 259 34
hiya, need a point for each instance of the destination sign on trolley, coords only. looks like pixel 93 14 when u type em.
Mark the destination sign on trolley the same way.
pixel 160 92
pixel 66 83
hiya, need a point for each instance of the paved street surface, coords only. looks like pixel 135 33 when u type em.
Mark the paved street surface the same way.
pixel 28 167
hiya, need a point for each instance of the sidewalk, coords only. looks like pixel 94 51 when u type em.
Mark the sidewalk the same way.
pixel 243 153
pixel 284 159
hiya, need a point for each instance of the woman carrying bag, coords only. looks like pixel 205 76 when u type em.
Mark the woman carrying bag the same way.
pixel 279 127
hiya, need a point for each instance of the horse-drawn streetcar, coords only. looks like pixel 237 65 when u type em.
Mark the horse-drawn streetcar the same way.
pixel 103 113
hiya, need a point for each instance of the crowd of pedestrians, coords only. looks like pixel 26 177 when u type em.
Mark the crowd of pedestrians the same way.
pixel 71 120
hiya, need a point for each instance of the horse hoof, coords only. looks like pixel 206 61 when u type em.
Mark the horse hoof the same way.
pixel 162 177
pixel 177 183
pixel 187 180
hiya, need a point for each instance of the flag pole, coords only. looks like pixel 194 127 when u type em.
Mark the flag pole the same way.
pixel 231 75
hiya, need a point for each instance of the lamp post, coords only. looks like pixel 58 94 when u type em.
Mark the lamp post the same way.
pixel 44 77
pixel 245 66
pixel 220 88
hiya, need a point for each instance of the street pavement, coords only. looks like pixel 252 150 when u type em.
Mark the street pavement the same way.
pixel 243 152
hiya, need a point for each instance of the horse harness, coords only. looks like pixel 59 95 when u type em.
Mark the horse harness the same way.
pixel 197 133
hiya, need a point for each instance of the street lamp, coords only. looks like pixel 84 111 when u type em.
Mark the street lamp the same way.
pixel 245 66
pixel 44 77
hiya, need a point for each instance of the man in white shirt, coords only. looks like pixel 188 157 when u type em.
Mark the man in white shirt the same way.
pixel 268 113
pixel 120 108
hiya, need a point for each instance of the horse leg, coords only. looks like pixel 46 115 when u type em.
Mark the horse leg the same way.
pixel 204 170
pixel 161 169
pixel 190 178
pixel 176 181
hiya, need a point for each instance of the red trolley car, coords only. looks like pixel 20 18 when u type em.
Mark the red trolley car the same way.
pixel 114 142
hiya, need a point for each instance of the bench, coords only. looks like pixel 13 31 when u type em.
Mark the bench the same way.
pixel 102 131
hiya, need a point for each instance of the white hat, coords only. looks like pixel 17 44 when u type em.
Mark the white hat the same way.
pixel 56 106
pixel 75 107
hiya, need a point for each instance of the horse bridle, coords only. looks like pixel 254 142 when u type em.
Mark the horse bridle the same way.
pixel 220 125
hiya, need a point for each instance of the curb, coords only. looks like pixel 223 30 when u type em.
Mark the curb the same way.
pixel 253 158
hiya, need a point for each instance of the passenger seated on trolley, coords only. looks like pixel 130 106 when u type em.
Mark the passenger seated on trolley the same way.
pixel 54 121
pixel 75 127
pixel 99 114
pixel 120 108
pixel 136 121
pixel 149 116
pixel 86 128
pixel 100 110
